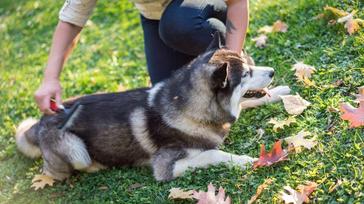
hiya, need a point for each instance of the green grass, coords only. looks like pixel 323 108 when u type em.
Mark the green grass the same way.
pixel 110 54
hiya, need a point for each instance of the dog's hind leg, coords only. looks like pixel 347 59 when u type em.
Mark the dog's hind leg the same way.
pixel 55 166
pixel 74 151
pixel 170 163
pixel 63 152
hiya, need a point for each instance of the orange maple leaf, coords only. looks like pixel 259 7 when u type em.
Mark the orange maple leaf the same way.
pixel 355 116
pixel 277 154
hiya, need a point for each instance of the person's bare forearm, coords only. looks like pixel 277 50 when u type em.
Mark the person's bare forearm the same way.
pixel 64 39
pixel 236 24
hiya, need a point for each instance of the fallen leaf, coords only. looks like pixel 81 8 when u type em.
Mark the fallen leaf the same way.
pixel 177 193
pixel 300 196
pixel 277 154
pixel 40 181
pixel 352 25
pixel 260 41
pixel 294 104
pixel 355 116
pixel 265 29
pixel 279 124
pixel 304 72
pixel 280 26
pixel 299 141
pixel 210 196
pixel 337 13
pixel 337 184
pixel 260 189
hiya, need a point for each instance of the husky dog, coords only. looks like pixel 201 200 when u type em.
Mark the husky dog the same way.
pixel 176 125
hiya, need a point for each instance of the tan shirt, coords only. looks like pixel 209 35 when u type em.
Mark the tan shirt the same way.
pixel 79 11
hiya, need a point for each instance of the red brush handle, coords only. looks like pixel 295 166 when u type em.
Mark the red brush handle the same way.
pixel 54 106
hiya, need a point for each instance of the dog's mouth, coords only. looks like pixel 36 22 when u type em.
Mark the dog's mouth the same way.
pixel 256 93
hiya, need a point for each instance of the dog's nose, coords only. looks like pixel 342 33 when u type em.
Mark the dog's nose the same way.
pixel 271 74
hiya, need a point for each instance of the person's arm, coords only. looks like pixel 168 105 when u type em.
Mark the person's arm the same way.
pixel 72 17
pixel 237 22
pixel 64 39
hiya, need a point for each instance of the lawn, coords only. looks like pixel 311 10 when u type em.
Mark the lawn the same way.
pixel 110 56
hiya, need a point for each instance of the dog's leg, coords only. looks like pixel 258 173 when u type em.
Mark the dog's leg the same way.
pixel 62 152
pixel 170 163
pixel 196 159
pixel 54 166
pixel 275 93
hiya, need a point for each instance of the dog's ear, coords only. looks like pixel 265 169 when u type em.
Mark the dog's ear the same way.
pixel 220 76
pixel 217 42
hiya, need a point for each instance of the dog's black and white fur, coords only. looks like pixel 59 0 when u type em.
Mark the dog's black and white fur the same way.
pixel 176 125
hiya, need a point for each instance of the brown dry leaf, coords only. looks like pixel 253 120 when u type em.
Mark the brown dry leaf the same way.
pixel 299 141
pixel 334 186
pixel 300 196
pixel 304 72
pixel 280 26
pixel 40 181
pixel 277 154
pixel 177 193
pixel 260 41
pixel 355 116
pixel 352 25
pixel 260 189
pixel 294 104
pixel 279 124
pixel 210 196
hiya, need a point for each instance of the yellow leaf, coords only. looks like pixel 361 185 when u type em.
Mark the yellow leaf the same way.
pixel 294 104
pixel 333 187
pixel 299 141
pixel 279 124
pixel 265 29
pixel 40 181
pixel 177 193
pixel 304 72
pixel 260 189
pixel 336 12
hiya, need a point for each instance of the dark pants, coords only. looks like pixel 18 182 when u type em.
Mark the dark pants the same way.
pixel 184 31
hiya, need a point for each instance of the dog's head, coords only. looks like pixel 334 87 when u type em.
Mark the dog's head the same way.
pixel 231 78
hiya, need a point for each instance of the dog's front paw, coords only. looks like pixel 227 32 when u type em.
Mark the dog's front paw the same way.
pixel 245 161
pixel 276 92
pixel 280 90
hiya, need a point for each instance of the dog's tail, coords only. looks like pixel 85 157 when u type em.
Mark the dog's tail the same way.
pixel 26 138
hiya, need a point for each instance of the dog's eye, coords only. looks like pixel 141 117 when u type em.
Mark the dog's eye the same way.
pixel 245 74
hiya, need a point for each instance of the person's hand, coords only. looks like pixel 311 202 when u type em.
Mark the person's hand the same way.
pixel 48 89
